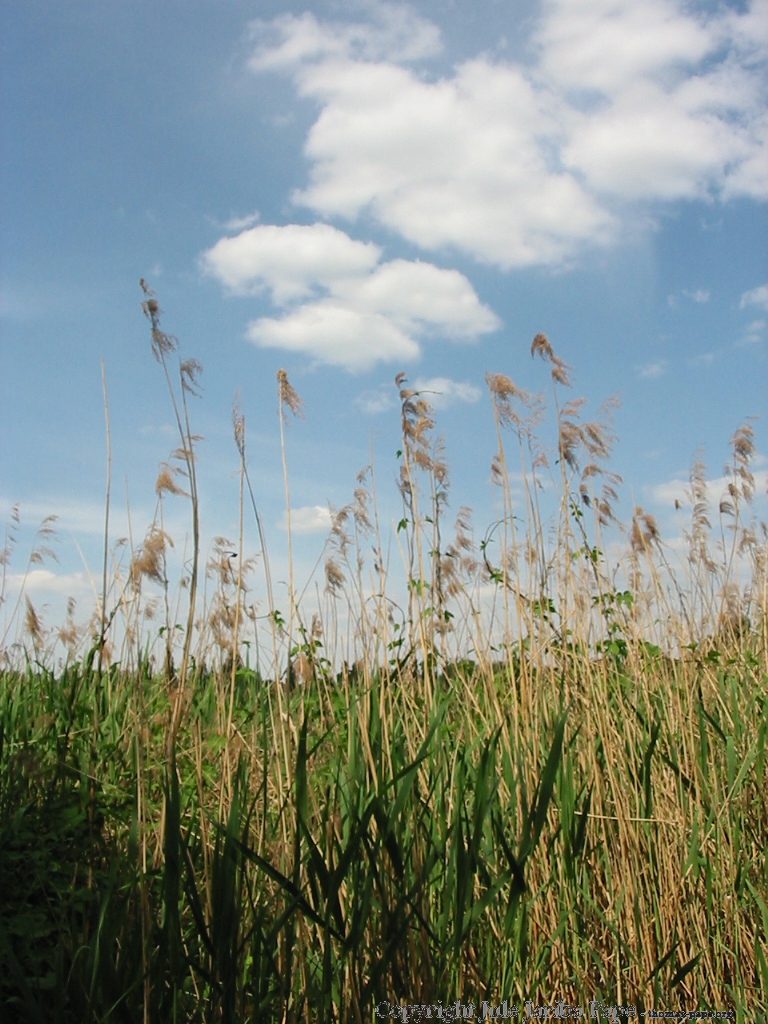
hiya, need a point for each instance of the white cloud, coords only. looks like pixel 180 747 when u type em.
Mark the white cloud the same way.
pixel 622 101
pixel 657 100
pixel 606 45
pixel 238 223
pixel 459 162
pixel 291 261
pixel 677 490
pixel 412 292
pixel 309 519
pixel 49 592
pixel 756 297
pixel 442 391
pixel 336 335
pixel 42 583
pixel 356 313
pixel 655 144
pixel 672 492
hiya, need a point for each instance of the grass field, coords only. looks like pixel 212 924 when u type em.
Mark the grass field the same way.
pixel 544 778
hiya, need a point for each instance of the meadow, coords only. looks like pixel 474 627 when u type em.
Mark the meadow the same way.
pixel 532 769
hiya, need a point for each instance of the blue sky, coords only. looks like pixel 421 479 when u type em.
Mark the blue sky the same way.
pixel 351 189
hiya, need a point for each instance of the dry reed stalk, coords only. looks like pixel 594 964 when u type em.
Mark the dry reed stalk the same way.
pixel 238 428
pixel 163 345
pixel 287 401
pixel 502 392
pixel 41 549
pixel 103 623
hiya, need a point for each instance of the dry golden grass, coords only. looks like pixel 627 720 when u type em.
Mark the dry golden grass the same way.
pixel 532 767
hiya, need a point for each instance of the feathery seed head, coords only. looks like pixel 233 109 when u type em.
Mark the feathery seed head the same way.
pixel 360 510
pixel 560 372
pixel 149 560
pixel 497 472
pixel 32 624
pixel 503 390
pixel 540 346
pixel 560 369
pixel 334 577
pixel 190 370
pixel 69 635
pixel 238 425
pixel 162 344
pixel 165 482
pixel 289 399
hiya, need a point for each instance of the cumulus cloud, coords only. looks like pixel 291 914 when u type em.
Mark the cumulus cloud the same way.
pixel 336 335
pixel 756 297
pixel 459 162
pixel 290 261
pixel 607 45
pixel 622 101
pixel 658 100
pixel 341 305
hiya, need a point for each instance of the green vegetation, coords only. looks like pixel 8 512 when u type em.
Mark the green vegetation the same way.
pixel 544 778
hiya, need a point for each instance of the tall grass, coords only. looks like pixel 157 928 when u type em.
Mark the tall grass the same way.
pixel 540 776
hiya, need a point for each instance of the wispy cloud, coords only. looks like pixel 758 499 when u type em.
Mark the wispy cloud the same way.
pixel 655 369
pixel 239 223
pixel 377 401
pixel 698 295
pixel 756 297
pixel 754 332
pixel 704 359
pixel 164 430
